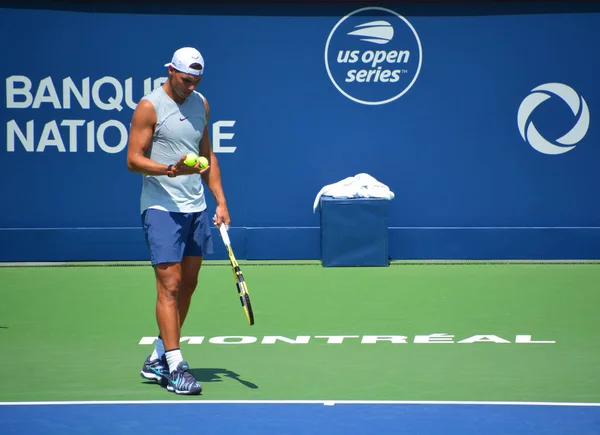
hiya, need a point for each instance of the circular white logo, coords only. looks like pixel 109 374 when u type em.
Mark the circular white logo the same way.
pixel 373 55
pixel 530 133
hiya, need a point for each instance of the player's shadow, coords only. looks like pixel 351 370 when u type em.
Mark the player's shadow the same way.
pixel 216 375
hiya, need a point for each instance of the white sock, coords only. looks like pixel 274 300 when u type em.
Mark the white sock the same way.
pixel 174 357
pixel 159 349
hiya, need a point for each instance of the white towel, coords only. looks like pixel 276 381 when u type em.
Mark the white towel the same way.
pixel 359 186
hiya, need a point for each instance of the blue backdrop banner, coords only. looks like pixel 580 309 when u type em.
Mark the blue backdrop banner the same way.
pixel 480 119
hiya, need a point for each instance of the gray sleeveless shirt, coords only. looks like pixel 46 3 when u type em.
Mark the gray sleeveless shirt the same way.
pixel 179 129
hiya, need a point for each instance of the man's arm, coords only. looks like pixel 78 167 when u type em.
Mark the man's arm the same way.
pixel 140 135
pixel 212 177
pixel 143 123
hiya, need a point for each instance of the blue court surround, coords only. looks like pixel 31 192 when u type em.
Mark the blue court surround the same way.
pixel 295 418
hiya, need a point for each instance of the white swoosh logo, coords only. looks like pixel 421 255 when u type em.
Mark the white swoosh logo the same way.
pixel 377 32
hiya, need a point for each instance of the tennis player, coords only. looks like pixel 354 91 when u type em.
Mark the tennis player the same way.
pixel 167 124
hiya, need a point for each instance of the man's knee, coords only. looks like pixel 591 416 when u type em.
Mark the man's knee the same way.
pixel 189 284
pixel 169 281
pixel 170 286
pixel 189 274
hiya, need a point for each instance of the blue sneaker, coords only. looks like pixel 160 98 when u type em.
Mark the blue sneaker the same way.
pixel 156 370
pixel 181 380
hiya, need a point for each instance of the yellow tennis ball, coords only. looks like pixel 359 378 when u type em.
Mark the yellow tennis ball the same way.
pixel 203 162
pixel 191 159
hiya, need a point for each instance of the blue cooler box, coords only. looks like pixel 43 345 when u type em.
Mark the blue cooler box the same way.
pixel 354 231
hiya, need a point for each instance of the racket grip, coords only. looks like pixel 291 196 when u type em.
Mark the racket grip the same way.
pixel 224 235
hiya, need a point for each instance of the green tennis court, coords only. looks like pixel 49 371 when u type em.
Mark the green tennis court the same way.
pixel 505 332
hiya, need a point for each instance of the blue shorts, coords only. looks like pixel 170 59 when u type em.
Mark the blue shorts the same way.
pixel 170 235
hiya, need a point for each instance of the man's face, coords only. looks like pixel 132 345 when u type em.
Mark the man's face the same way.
pixel 183 84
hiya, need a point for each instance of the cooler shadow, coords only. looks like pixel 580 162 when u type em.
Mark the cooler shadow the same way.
pixel 205 375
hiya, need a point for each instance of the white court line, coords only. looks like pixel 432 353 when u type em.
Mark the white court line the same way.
pixel 299 402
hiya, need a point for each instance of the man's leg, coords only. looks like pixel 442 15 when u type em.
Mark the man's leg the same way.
pixel 162 230
pixel 168 280
pixel 190 268
pixel 198 244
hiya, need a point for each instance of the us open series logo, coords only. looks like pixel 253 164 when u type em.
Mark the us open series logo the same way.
pixel 373 55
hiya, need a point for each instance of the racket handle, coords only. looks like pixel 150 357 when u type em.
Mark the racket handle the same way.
pixel 224 235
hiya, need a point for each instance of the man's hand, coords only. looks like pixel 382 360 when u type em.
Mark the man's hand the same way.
pixel 180 168
pixel 221 216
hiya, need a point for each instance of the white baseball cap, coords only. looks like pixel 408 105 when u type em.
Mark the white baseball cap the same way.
pixel 184 58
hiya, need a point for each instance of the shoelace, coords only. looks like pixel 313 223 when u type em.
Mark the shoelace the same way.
pixel 188 377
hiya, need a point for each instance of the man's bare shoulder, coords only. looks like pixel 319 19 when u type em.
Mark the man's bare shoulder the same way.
pixel 205 102
pixel 145 105
pixel 144 113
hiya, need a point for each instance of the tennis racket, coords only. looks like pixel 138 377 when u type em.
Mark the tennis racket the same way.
pixel 240 282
